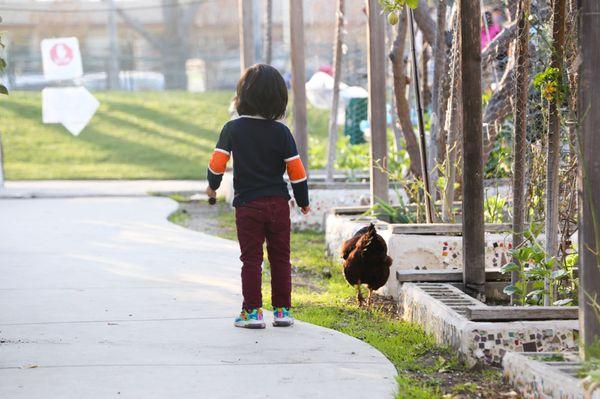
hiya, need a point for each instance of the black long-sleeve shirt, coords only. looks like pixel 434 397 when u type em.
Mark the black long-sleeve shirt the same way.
pixel 262 151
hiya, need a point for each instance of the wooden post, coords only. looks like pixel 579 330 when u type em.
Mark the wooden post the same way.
pixel 335 100
pixel 589 120
pixel 113 57
pixel 246 30
pixel 473 228
pixel 377 111
pixel 418 99
pixel 298 77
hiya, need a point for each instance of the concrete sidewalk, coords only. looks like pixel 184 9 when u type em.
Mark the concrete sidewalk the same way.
pixel 97 188
pixel 103 298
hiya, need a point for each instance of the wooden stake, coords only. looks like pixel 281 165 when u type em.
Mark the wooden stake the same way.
pixel 298 77
pixel 337 77
pixel 589 120
pixel 377 111
pixel 422 141
pixel 473 228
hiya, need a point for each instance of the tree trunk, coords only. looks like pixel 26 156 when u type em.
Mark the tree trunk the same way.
pixel 452 127
pixel 425 23
pixel 377 108
pixel 246 32
pixel 174 43
pixel 113 58
pixel 553 160
pixel 176 46
pixel 337 77
pixel 399 73
pixel 298 77
pixel 440 67
pixel 268 32
pixel 589 118
pixel 520 129
pixel 472 144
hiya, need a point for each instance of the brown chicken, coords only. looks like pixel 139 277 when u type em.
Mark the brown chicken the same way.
pixel 366 261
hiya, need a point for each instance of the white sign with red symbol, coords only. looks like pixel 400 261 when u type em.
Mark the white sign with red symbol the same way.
pixel 61 58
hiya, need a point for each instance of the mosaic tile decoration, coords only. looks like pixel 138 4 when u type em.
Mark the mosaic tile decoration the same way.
pixel 482 342
pixel 533 378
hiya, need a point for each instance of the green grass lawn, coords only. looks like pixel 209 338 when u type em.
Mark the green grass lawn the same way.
pixel 134 135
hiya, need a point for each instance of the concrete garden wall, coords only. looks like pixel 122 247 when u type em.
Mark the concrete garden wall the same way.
pixel 534 378
pixel 485 342
pixel 415 251
pixel 323 198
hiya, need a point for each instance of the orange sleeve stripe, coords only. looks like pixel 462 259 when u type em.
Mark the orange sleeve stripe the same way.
pixel 295 170
pixel 218 162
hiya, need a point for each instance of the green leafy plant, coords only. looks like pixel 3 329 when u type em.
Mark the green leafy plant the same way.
pixel 494 209
pixel 352 157
pixel 533 267
pixel 550 84
pixel 393 213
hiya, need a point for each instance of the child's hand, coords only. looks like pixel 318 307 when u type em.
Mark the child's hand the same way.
pixel 305 210
pixel 211 193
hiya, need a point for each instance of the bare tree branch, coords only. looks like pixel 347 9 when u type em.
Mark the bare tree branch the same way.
pixel 190 16
pixel 425 23
pixel 499 44
pixel 396 56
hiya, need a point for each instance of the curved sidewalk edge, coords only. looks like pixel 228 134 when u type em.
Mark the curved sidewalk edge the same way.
pixel 103 297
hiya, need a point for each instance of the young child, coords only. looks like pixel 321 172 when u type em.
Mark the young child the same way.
pixel 263 149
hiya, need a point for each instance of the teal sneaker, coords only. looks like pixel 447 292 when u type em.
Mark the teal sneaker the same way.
pixel 282 317
pixel 253 319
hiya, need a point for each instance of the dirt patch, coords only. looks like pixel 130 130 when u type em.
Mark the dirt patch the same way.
pixel 198 215
pixel 462 383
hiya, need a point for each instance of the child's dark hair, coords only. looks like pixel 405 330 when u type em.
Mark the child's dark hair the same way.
pixel 261 91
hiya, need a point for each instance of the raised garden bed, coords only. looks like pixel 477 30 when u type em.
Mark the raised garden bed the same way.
pixel 547 375
pixel 444 311
pixel 323 198
pixel 418 247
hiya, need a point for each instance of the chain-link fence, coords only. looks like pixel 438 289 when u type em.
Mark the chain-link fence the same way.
pixel 157 40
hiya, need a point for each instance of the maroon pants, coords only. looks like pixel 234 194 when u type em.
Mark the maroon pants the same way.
pixel 265 219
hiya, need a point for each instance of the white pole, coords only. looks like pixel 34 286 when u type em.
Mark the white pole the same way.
pixel 113 57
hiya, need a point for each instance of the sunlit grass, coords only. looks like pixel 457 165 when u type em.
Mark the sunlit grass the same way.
pixel 134 135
